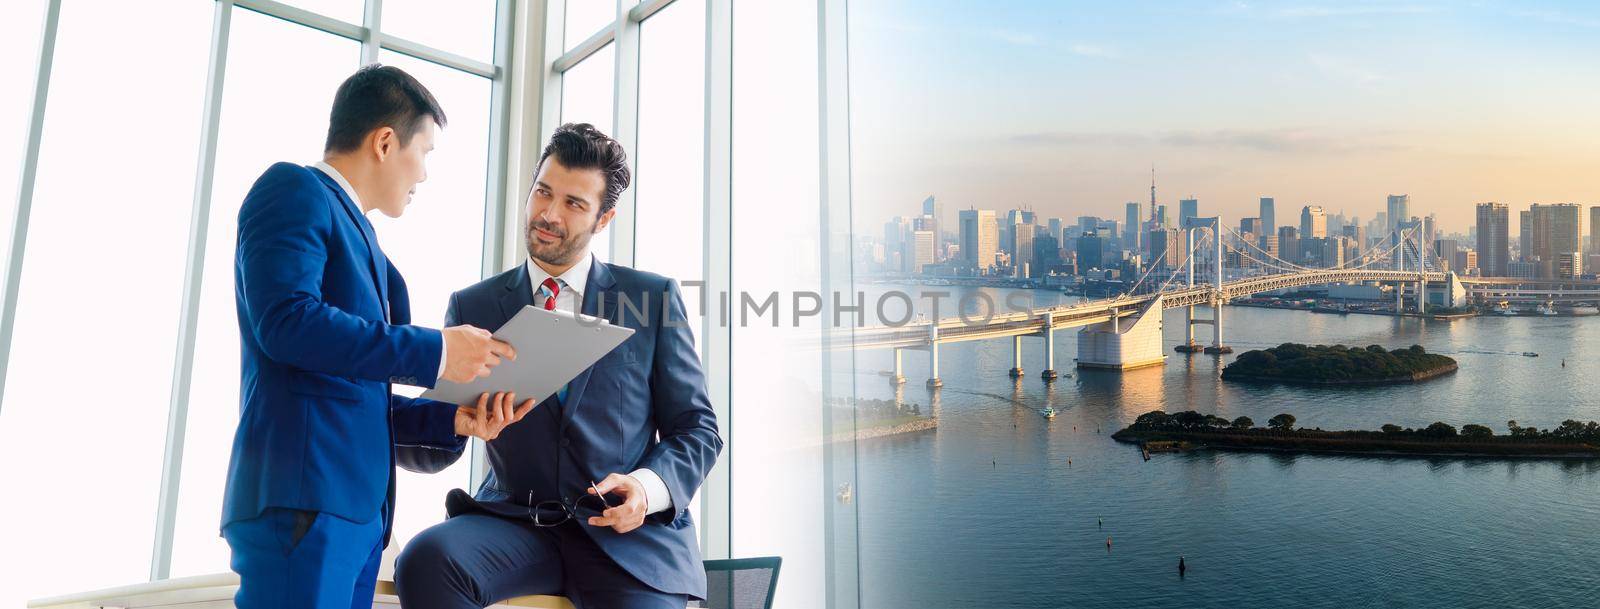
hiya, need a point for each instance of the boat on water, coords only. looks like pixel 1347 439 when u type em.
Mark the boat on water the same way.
pixel 1583 310
pixel 1529 354
pixel 1048 413
pixel 1546 309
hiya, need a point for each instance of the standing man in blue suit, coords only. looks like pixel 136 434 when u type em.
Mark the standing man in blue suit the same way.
pixel 323 327
pixel 635 430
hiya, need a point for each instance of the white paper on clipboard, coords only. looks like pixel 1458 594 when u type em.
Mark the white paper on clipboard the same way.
pixel 552 348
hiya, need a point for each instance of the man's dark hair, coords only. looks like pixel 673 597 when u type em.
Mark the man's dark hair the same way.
pixel 581 146
pixel 379 96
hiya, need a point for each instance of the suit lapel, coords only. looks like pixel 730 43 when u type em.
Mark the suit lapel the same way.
pixel 375 260
pixel 518 294
pixel 598 301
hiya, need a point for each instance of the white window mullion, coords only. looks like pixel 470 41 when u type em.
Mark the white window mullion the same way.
pixel 25 183
pixel 715 349
pixel 189 315
pixel 625 129
pixel 372 38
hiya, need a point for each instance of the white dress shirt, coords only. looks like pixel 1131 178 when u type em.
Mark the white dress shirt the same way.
pixel 350 191
pixel 570 299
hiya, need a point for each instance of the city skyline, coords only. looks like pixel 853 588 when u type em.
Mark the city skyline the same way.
pixel 1064 108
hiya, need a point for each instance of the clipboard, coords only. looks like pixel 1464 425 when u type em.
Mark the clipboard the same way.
pixel 552 348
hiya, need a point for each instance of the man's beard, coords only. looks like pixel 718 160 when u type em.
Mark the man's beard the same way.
pixel 560 253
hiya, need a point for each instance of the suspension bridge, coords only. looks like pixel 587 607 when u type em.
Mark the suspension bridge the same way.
pixel 1124 332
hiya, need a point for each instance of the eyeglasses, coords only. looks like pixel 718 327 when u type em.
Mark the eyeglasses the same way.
pixel 553 512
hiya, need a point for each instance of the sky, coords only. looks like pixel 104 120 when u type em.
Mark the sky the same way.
pixel 1066 106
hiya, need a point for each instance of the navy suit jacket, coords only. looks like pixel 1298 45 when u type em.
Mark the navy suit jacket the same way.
pixel 323 333
pixel 644 404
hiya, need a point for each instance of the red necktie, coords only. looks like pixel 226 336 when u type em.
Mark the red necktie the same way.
pixel 551 287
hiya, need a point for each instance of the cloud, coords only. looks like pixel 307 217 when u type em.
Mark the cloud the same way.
pixel 1071 138
pixel 1276 141
pixel 1093 50
pixel 1352 10
pixel 1014 37
pixel 1344 69
pixel 1557 17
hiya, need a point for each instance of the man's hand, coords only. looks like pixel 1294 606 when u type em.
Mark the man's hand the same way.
pixel 487 420
pixel 472 352
pixel 629 515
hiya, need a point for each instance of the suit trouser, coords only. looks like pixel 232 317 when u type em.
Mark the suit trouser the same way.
pixel 311 560
pixel 475 560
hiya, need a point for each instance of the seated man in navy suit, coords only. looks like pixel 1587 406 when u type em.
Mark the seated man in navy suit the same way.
pixel 589 496
pixel 324 330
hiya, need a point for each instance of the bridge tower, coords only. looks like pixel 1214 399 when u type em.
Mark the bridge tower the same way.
pixel 1049 332
pixel 933 356
pixel 1217 348
pixel 1214 224
pixel 1189 346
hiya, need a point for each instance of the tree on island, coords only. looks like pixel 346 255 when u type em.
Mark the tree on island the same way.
pixel 1474 430
pixel 1570 432
pixel 1334 363
pixel 1440 429
pixel 1282 422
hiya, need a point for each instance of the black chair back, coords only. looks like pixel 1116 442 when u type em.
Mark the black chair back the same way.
pixel 741 583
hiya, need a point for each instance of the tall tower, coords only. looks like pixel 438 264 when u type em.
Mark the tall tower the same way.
pixel 1152 193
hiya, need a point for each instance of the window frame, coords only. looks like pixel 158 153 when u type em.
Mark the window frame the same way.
pixel 716 341
pixel 529 60
pixel 372 38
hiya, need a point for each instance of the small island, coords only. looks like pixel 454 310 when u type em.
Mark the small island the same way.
pixel 1190 429
pixel 1337 365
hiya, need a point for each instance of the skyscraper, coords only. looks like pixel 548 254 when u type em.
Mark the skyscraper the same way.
pixel 1020 241
pixel 1594 230
pixel 1397 211
pixel 897 244
pixel 922 250
pixel 1187 209
pixel 1525 235
pixel 1090 252
pixel 1555 231
pixel 979 237
pixel 1313 223
pixel 1130 228
pixel 1288 244
pixel 1164 252
pixel 1269 216
pixel 1087 224
pixel 1445 250
pixel 1249 226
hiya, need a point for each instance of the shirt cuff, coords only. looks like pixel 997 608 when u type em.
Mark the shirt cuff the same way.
pixel 444 349
pixel 656 496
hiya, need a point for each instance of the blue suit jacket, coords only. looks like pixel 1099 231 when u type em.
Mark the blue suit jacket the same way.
pixel 323 334
pixel 650 384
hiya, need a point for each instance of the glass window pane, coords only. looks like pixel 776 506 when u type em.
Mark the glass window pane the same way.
pixel 348 11
pixel 438 246
pixel 106 248
pixel 669 179
pixel 19 62
pixel 588 90
pixel 280 82
pixel 585 17
pixel 669 161
pixel 776 431
pixel 588 96
pixel 466 29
